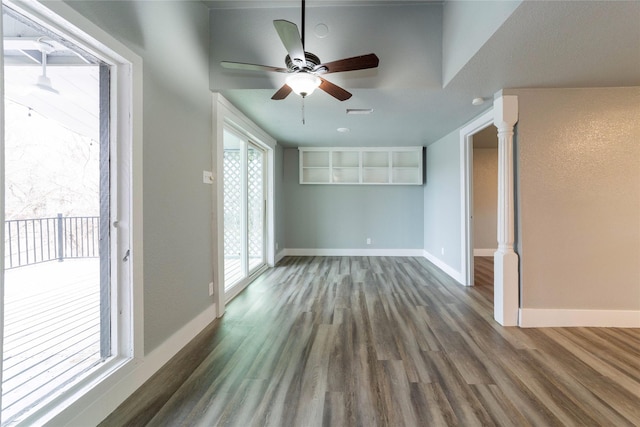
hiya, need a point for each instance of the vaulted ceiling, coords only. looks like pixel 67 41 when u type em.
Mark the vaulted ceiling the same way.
pixel 435 57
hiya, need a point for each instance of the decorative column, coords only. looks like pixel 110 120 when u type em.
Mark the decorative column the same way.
pixel 505 262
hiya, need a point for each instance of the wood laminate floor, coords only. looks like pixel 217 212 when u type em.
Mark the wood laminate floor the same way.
pixel 364 341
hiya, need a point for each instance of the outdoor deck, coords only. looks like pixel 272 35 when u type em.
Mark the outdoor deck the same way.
pixel 52 321
pixel 52 329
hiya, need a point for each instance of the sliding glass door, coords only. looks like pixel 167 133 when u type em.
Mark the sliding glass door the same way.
pixel 244 209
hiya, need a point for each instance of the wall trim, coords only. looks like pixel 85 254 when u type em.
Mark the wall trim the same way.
pixel 557 318
pixel 351 252
pixel 481 122
pixel 484 252
pixel 105 398
pixel 450 271
pixel 281 254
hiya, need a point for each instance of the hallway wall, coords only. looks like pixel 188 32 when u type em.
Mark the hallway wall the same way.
pixel 578 155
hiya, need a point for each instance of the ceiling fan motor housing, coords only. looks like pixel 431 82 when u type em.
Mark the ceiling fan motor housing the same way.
pixel 312 64
pixel 304 68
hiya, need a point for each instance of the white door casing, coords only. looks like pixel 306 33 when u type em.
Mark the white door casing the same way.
pixel 504 116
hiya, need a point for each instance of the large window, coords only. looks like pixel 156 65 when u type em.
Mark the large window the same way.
pixel 69 311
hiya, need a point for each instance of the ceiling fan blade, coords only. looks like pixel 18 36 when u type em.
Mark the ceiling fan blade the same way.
pixel 351 64
pixel 334 90
pixel 282 93
pixel 290 36
pixel 251 67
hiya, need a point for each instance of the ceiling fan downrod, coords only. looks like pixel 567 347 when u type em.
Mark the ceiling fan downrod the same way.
pixel 302 35
pixel 305 69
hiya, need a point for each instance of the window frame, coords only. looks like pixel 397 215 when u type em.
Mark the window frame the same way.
pixel 125 211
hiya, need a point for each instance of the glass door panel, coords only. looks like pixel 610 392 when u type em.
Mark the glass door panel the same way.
pixel 233 228
pixel 244 208
pixel 255 205
pixel 57 318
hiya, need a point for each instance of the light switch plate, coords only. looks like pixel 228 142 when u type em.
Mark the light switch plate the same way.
pixel 207 177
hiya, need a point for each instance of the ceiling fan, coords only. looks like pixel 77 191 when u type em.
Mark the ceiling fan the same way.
pixel 304 68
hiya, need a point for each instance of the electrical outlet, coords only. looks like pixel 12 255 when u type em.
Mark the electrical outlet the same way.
pixel 442 251
pixel 211 289
pixel 368 240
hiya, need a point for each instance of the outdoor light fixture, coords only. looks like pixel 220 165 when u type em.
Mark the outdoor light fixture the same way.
pixel 43 81
pixel 303 83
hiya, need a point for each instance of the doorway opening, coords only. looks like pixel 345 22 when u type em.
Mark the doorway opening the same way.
pixel 484 200
pixel 57 304
pixel 69 313
pixel 504 114
pixel 485 121
pixel 244 193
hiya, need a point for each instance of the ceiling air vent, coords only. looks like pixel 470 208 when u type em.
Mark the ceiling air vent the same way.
pixel 359 110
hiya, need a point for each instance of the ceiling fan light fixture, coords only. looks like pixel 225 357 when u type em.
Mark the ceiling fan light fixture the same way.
pixel 303 83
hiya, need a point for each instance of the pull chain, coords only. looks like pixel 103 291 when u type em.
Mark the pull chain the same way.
pixel 303 122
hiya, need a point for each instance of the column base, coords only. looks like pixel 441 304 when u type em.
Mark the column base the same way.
pixel 506 295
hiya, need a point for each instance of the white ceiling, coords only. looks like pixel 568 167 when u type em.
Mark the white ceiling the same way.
pixel 542 44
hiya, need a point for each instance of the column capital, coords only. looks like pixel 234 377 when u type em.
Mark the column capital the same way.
pixel 505 111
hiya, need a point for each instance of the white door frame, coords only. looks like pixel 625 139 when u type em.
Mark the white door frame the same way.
pixel 466 180
pixel 1 211
pixel 89 399
pixel 225 114
pixel 504 116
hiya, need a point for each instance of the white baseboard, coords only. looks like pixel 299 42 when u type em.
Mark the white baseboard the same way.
pixel 106 397
pixel 280 255
pixel 352 252
pixel 452 272
pixel 547 318
pixel 484 252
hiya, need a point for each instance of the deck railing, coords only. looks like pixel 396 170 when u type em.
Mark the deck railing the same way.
pixel 32 241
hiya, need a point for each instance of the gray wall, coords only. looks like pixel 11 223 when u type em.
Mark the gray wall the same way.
pixel 485 197
pixel 343 216
pixel 579 195
pixel 442 215
pixel 172 39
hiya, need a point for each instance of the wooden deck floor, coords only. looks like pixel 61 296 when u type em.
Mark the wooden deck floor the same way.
pixel 51 336
pixel 378 341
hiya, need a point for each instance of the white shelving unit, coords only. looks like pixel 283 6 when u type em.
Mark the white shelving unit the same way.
pixel 361 165
pixel 316 169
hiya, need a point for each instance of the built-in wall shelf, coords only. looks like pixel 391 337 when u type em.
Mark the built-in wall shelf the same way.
pixel 361 165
